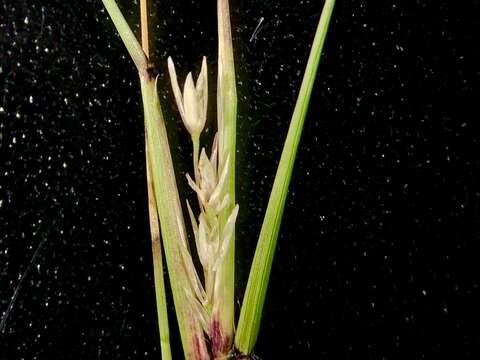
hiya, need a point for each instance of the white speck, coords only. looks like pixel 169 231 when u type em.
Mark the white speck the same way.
pixel 424 293
pixel 17 115
pixel 30 99
pixel 25 21
pixel 2 110
pixel 14 140
pixel 64 165
pixel 257 29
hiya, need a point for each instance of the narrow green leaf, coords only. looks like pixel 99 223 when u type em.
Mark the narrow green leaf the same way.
pixel 252 307
pixel 172 226
pixel 128 37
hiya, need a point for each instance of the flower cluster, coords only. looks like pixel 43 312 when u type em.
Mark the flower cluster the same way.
pixel 211 240
pixel 212 236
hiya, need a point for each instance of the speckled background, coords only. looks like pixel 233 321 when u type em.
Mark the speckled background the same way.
pixel 378 255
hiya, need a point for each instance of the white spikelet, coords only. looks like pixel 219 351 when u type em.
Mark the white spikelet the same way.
pixel 192 104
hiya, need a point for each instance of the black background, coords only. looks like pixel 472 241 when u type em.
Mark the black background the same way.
pixel 377 257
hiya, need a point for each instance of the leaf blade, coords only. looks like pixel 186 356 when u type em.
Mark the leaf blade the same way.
pixel 172 225
pixel 128 37
pixel 252 307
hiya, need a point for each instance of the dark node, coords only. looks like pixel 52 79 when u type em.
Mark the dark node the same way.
pixel 151 70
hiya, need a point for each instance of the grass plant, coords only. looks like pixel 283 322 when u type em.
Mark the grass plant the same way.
pixel 205 309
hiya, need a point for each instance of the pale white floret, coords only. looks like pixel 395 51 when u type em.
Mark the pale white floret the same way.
pixel 226 237
pixel 192 104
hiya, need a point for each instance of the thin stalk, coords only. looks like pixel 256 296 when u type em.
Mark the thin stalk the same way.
pixel 196 152
pixel 171 221
pixel 160 294
pixel 128 37
pixel 180 268
pixel 223 326
pixel 144 26
pixel 252 307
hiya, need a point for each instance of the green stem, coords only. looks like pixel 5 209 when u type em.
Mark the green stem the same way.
pixel 196 152
pixel 171 221
pixel 160 294
pixel 162 313
pixel 157 257
pixel 226 119
pixel 252 307
pixel 128 37
pixel 183 278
